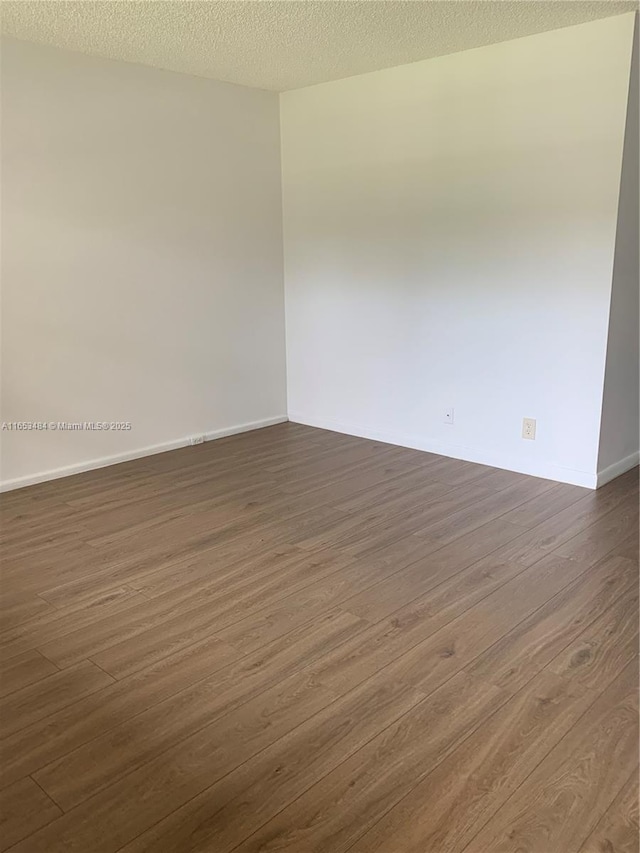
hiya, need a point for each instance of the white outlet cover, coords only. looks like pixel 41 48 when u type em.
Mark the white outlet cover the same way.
pixel 529 428
pixel 448 416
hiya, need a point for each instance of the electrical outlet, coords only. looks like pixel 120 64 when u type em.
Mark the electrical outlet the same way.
pixel 448 416
pixel 196 439
pixel 529 428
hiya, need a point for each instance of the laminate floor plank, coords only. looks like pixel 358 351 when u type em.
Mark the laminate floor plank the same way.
pixel 628 547
pixel 23 670
pixel 20 608
pixel 618 830
pixel 605 534
pixel 60 616
pixel 102 761
pixel 335 812
pixel 210 559
pixel 178 774
pixel 297 640
pixel 122 646
pixel 49 694
pixel 274 620
pixel 256 792
pixel 424 657
pixel 446 562
pixel 61 732
pixel 55 624
pixel 578 517
pixel 455 798
pixel 604 647
pixel 25 808
pixel 543 506
pixel 185 714
pixel 567 632
pixel 474 516
pixel 561 802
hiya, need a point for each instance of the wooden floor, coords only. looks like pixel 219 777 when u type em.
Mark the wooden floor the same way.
pixel 299 640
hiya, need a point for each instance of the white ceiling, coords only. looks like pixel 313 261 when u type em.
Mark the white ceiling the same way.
pixel 286 44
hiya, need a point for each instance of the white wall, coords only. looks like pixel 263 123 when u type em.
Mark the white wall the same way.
pixel 449 233
pixel 142 257
pixel 620 427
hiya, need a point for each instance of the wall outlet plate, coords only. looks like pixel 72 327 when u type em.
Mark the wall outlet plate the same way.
pixel 196 439
pixel 529 428
pixel 448 416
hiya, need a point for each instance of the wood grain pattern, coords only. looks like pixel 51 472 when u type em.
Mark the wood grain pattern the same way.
pixel 297 640
pixel 618 830
pixel 564 632
pixel 446 808
pixel 25 808
pixel 44 697
pixel 24 669
pixel 560 803
pixel 333 813
pixel 605 647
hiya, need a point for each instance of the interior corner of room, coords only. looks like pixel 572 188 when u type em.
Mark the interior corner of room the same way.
pixel 349 290
pixel 453 244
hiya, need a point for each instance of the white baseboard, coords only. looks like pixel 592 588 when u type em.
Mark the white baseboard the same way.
pixel 150 450
pixel 547 471
pixel 618 468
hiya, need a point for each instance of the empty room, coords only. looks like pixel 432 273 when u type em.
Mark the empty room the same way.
pixel 319 432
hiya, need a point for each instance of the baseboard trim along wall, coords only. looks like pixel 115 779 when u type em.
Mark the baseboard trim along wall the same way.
pixel 547 471
pixel 150 450
pixel 618 468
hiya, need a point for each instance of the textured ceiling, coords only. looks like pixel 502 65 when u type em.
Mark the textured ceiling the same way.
pixel 286 44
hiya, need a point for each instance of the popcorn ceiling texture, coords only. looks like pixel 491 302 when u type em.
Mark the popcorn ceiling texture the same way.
pixel 287 44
